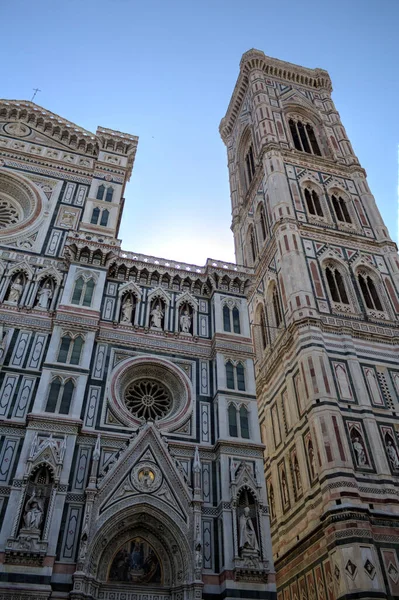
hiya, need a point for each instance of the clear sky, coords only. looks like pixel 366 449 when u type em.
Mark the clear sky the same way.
pixel 165 70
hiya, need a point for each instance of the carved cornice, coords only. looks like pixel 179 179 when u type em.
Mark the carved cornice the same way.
pixel 271 67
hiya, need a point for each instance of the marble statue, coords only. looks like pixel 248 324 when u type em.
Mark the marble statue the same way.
pixel 44 295
pixel 360 454
pixel 247 532
pixel 297 475
pixel 185 322
pixel 392 454
pixel 34 511
pixel 284 489
pixel 16 291
pixel 127 310
pixel 156 317
pixel 312 461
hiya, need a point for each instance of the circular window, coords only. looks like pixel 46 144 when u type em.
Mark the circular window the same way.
pixel 9 214
pixel 20 203
pixel 150 389
pixel 148 399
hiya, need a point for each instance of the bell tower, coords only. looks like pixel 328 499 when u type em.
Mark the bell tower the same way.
pixel 324 314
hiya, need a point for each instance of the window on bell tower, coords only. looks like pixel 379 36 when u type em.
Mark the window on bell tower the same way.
pixel 341 209
pixel 303 136
pixel 369 292
pixel 313 203
pixel 250 164
pixel 336 286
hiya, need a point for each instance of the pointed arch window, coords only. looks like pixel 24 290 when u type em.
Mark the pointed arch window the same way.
pixel 83 292
pixel 231 316
pixel 313 203
pixel 233 428
pixel 60 396
pixel 235 376
pixel 244 423
pixel 303 136
pixel 263 328
pixel 262 221
pixel 109 195
pixel 95 215
pixel 369 292
pixel 252 242
pixel 100 192
pixel 336 285
pixel 104 218
pixel 230 375
pixel 236 320
pixel 250 164
pixel 240 377
pixel 276 307
pixel 341 209
pixel 226 318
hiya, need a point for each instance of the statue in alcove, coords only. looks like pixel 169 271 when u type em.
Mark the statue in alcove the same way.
pixel 157 316
pixel 185 320
pixel 392 453
pixel 16 289
pixel 127 309
pixel 34 511
pixel 44 295
pixel 360 453
pixel 248 539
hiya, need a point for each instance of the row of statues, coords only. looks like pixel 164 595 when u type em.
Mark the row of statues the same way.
pixel 157 315
pixel 43 297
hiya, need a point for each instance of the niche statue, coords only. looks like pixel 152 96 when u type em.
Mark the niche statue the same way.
pixel 248 540
pixel 34 512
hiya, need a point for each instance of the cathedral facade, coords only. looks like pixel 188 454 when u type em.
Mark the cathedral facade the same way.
pixel 131 462
pixel 324 312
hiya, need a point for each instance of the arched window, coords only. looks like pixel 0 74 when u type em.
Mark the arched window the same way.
pixel 240 377
pixel 263 327
pixel 66 398
pixel 249 164
pixel 244 423
pixel 95 216
pixel 77 292
pixel 100 192
pixel 60 396
pixel 369 292
pixel 230 375
pixel 341 209
pixel 236 320
pixel 313 203
pixel 262 221
pixel 276 308
pixel 109 195
pixel 226 318
pixel 233 429
pixel 88 295
pixel 53 395
pixel 64 349
pixel 83 292
pixel 336 285
pixel 76 350
pixel 252 242
pixel 104 218
pixel 303 136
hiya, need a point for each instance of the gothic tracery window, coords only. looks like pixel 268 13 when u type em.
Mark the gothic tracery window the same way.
pixel 303 136
pixel 60 396
pixel 341 209
pixel 83 291
pixel 70 350
pixel 336 285
pixel 231 316
pixel 249 164
pixel 369 292
pixel 100 192
pixel 276 307
pixel 313 203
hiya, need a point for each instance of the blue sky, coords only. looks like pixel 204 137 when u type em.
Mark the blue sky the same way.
pixel 165 70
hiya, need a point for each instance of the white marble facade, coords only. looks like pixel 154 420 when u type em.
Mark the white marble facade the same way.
pixel 131 462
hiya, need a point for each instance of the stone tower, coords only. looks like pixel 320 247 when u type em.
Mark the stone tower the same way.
pixel 324 315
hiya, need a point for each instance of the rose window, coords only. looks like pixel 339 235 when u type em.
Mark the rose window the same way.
pixel 147 399
pixel 8 214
